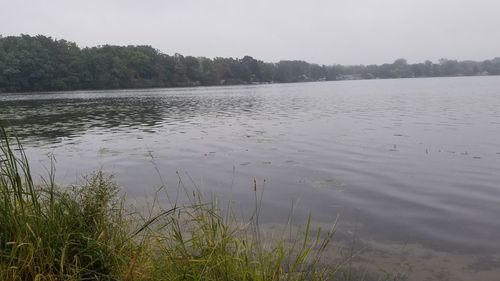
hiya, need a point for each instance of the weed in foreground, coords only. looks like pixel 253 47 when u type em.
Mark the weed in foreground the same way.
pixel 87 233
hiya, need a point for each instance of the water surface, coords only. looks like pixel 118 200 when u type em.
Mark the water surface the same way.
pixel 408 160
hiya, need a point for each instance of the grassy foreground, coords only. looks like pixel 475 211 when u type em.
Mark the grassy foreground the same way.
pixel 87 233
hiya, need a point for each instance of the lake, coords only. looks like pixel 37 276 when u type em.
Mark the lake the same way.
pixel 412 161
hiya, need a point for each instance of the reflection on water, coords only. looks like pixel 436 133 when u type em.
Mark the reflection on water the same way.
pixel 57 116
pixel 406 160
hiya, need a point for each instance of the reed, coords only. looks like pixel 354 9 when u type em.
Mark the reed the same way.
pixel 87 232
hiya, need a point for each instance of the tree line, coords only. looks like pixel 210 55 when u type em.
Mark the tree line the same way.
pixel 40 63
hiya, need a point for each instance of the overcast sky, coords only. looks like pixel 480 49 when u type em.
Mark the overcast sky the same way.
pixel 319 31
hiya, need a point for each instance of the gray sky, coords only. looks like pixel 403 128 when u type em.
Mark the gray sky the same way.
pixel 320 31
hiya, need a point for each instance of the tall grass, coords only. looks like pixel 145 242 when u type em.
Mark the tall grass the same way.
pixel 87 233
pixel 47 233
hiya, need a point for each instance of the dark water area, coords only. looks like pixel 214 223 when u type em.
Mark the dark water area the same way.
pixel 407 160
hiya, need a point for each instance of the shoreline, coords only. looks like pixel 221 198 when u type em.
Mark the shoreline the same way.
pixel 229 86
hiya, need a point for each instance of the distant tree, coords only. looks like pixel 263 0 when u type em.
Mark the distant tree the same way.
pixel 40 63
pixel 492 67
pixel 401 69
pixel 292 71
pixel 449 67
pixel 268 71
pixel 193 69
pixel 317 72
pixel 254 67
